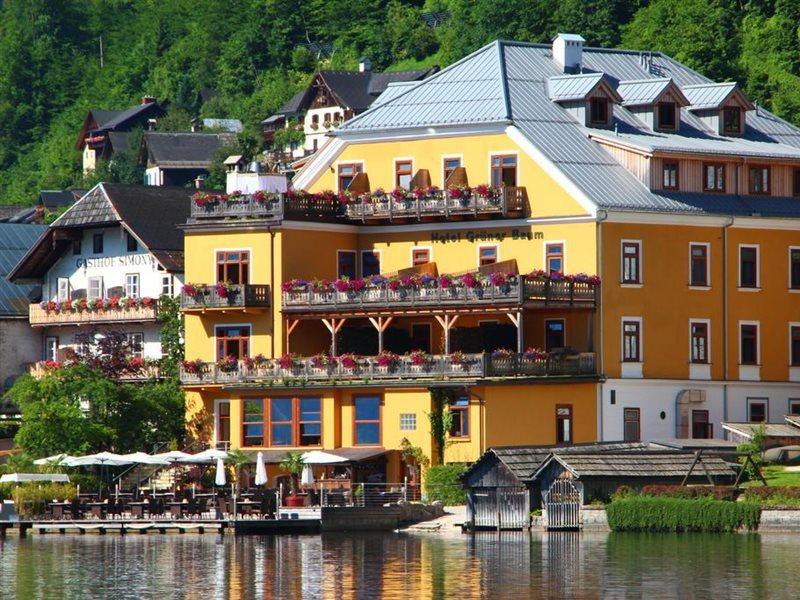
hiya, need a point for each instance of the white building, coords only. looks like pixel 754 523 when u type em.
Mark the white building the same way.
pixel 104 264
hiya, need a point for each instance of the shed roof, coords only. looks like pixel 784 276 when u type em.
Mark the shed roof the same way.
pixel 572 87
pixel 638 464
pixel 770 429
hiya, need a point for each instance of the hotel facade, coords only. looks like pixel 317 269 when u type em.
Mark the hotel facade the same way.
pixel 561 244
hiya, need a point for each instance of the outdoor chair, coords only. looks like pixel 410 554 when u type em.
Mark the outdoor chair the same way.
pixel 201 507
pixel 222 508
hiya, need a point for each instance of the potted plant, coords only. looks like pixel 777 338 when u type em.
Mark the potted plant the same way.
pixel 386 361
pixel 420 359
pixel 294 465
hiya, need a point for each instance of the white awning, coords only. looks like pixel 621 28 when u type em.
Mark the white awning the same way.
pixel 318 457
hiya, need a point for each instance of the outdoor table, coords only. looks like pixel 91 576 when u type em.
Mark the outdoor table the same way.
pixel 178 509
pixel 137 509
pixel 60 509
pixel 247 507
pixel 98 509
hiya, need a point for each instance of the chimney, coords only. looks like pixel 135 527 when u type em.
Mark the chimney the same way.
pixel 364 65
pixel 197 125
pixel 568 51
pixel 148 99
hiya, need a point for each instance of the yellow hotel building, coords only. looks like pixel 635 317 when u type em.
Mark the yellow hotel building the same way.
pixel 446 246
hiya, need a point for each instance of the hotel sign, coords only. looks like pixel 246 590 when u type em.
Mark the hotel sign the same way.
pixel 485 235
pixel 131 260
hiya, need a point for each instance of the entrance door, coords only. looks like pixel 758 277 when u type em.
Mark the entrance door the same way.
pixel 702 429
pixel 554 334
pixel 421 337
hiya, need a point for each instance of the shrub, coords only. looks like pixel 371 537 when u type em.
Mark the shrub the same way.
pixel 443 483
pixel 774 497
pixel 662 514
pixel 30 500
pixel 623 491
pixel 689 492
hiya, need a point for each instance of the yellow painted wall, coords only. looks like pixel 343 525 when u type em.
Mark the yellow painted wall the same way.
pixel 546 197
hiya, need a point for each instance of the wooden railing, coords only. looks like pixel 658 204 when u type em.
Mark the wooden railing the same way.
pixel 239 295
pixel 245 207
pixel 144 373
pixel 381 296
pixel 41 316
pixel 441 367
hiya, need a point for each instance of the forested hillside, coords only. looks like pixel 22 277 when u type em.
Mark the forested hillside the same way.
pixel 58 59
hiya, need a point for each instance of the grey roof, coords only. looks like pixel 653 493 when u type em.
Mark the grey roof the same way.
pixel 187 150
pixel 645 91
pixel 507 82
pixel 572 87
pixel 120 141
pixel 694 444
pixel 122 117
pixel 708 95
pixel 792 420
pixel 273 119
pixel 667 464
pixel 392 90
pixel 15 241
pixel 52 199
pixel 293 105
pixel 770 429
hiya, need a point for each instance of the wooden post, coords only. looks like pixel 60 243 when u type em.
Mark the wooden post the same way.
pixel 447 322
pixel 381 324
pixel 291 326
pixel 334 325
pixel 517 321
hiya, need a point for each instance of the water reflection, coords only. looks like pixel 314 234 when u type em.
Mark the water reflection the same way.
pixel 509 565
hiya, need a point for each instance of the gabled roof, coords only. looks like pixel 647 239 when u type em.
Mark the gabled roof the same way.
pixel 123 117
pixel 641 92
pixel 186 150
pixel 52 199
pixel 770 429
pixel 563 88
pixel 712 95
pixel 15 241
pixel 120 141
pixel 649 464
pixel 151 213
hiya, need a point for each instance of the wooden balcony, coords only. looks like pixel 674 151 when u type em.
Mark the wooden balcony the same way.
pixel 367 370
pixel 382 298
pixel 208 297
pixel 144 373
pixel 246 207
pixel 41 317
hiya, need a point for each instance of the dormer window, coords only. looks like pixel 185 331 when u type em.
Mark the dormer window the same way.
pixel 598 111
pixel 666 115
pixel 732 120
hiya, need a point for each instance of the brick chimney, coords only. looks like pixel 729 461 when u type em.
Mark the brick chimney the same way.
pixel 148 99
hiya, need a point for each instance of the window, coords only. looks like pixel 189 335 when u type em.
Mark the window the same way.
pixel 564 424
pixel 402 174
pixel 794 345
pixel 167 285
pixel 794 268
pixel 63 289
pixel 699 342
pixel 631 428
pixel 346 174
pixel 370 263
pixel 748 266
pixel 51 348
pixel 796 182
pixel 666 115
pixel 487 255
pixel 252 422
pixel 759 180
pixel 698 265
pixel 309 421
pixel 670 176
pixel 97 243
pixel 95 288
pixel 233 267
pixel 280 421
pixel 346 263
pixel 420 256
pixel 794 406
pixel 135 343
pixel 448 166
pixel 421 336
pixel 408 421
pixel 554 334
pixel 223 422
pixel 554 258
pixel 367 420
pixel 631 262
pixel 459 413
pixel 732 119
pixel 598 109
pixel 714 180
pixel 504 170
pixel 631 341
pixel 757 410
pixel 702 428
pixel 132 285
pixel 131 244
pixel 233 340
pixel 77 247
pixel 748 344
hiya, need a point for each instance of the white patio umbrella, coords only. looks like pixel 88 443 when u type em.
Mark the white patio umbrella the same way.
pixel 101 458
pixel 205 457
pixel 56 459
pixel 219 478
pixel 307 478
pixel 261 470
pixel 318 457
pixel 142 458
pixel 173 456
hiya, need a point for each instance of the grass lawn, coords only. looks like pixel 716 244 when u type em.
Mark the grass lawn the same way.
pixel 778 475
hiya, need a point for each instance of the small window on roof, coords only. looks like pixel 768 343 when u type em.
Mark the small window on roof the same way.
pixel 598 108
pixel 666 115
pixel 732 120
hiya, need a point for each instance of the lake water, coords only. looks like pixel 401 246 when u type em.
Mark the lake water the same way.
pixel 512 565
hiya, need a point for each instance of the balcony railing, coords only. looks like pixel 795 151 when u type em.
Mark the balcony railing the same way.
pixel 237 296
pixel 42 316
pixel 507 202
pixel 245 207
pixel 439 367
pixel 383 296
pixel 143 373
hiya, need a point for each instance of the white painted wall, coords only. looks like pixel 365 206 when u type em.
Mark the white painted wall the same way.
pixel 248 183
pixel 67 336
pixel 336 113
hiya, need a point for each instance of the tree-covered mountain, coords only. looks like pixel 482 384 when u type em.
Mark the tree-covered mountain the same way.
pixel 244 58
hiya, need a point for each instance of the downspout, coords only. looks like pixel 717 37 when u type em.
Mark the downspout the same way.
pixel 482 413
pixel 602 215
pixel 725 352
pixel 272 285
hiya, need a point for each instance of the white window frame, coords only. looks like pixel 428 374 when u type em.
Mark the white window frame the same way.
pixel 66 292
pixel 707 323
pixel 130 336
pixel 760 400
pixel 758 268
pixel 789 403
pixel 708 266
pixel 133 285
pixel 167 285
pixel 361 260
pixel 563 254
pixel 51 339
pixel 483 246
pixel 96 279
pixel 622 321
pixel 758 342
pixel 409 423
pixel 640 273
pixel 459 157
pixel 355 254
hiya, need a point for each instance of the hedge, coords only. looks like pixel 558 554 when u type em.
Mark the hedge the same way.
pixel 443 483
pixel 720 492
pixel 774 496
pixel 662 514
